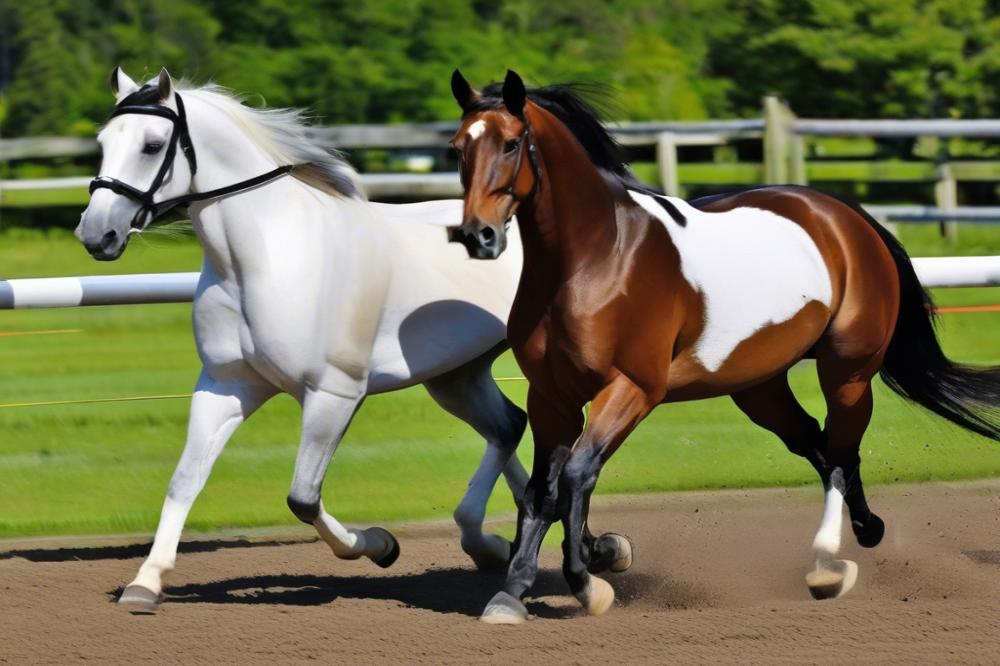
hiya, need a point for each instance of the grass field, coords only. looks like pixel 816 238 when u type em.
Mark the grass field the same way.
pixel 103 468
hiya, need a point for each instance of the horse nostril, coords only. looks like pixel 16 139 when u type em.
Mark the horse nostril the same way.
pixel 487 237
pixel 108 240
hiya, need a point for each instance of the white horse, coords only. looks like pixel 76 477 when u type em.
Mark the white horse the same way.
pixel 308 289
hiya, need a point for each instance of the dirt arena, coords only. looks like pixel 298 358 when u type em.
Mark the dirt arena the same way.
pixel 718 578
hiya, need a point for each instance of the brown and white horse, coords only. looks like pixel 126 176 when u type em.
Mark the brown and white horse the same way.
pixel 629 299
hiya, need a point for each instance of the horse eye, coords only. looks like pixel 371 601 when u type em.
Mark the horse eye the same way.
pixel 152 147
pixel 511 146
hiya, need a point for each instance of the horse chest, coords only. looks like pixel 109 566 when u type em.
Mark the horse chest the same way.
pixel 558 345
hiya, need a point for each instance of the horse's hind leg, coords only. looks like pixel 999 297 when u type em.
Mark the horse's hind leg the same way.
pixel 846 385
pixel 470 393
pixel 325 417
pixel 773 406
pixel 217 409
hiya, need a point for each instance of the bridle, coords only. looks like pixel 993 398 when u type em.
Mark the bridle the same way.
pixel 532 157
pixel 179 135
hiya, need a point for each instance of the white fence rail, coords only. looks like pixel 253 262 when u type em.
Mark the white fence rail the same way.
pixel 180 287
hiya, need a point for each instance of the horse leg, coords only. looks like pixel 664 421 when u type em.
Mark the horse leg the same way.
pixel 614 413
pixel 846 385
pixel 217 409
pixel 471 394
pixel 554 428
pixel 325 417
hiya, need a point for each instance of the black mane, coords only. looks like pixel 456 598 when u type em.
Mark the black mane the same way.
pixel 566 102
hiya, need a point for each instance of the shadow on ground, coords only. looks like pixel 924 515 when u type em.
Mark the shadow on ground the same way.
pixel 130 551
pixel 451 590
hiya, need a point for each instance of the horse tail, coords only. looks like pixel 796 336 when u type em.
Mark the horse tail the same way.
pixel 916 367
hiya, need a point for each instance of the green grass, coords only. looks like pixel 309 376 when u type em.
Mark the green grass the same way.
pixel 104 468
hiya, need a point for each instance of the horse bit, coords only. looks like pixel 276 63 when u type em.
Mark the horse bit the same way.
pixel 157 209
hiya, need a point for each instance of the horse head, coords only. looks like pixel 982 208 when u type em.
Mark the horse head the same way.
pixel 498 163
pixel 141 168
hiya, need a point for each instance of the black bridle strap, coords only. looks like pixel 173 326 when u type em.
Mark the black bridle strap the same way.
pixel 532 158
pixel 241 186
pixel 180 134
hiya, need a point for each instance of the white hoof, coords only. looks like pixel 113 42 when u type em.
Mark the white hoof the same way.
pixel 491 553
pixel 597 596
pixel 504 609
pixel 138 599
pixel 832 579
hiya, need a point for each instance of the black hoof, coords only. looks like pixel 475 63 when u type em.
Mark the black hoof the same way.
pixel 389 558
pixel 610 552
pixel 870 533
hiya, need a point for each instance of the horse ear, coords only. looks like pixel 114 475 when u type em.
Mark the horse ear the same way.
pixel 121 84
pixel 463 92
pixel 165 85
pixel 514 94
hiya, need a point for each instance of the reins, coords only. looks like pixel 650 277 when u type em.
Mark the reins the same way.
pixel 180 134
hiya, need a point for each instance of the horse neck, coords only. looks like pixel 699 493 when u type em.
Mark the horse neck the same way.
pixel 226 154
pixel 235 229
pixel 570 220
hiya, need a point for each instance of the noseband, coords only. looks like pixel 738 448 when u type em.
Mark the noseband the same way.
pixel 180 135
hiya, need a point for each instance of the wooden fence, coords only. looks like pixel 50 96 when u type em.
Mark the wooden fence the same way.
pixel 784 141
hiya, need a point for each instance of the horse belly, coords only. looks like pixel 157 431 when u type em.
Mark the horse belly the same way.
pixel 443 311
pixel 772 349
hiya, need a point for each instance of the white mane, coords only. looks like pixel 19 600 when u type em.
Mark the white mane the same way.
pixel 284 134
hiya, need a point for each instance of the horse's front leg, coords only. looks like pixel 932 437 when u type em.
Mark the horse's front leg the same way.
pixel 217 409
pixel 325 418
pixel 555 427
pixel 614 413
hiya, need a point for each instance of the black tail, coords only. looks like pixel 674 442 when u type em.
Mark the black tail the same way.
pixel 916 368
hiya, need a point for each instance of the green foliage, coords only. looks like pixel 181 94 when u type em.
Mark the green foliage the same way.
pixel 863 58
pixel 362 61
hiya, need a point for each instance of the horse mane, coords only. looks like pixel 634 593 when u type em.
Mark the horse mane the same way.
pixel 569 103
pixel 284 134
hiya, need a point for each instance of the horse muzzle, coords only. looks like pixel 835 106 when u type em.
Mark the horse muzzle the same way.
pixel 107 247
pixel 486 243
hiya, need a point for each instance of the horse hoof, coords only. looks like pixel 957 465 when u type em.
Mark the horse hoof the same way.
pixel 597 596
pixel 490 554
pixel 504 609
pixel 610 552
pixel 139 599
pixel 832 580
pixel 870 533
pixel 392 554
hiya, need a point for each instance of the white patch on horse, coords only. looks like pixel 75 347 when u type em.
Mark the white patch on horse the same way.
pixel 827 541
pixel 753 268
pixel 476 129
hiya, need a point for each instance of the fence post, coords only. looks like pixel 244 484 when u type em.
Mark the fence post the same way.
pixel 799 176
pixel 666 160
pixel 777 140
pixel 946 198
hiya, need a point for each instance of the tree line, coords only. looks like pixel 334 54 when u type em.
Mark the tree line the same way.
pixel 378 61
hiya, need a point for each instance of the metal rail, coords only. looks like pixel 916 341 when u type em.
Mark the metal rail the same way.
pixel 180 287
